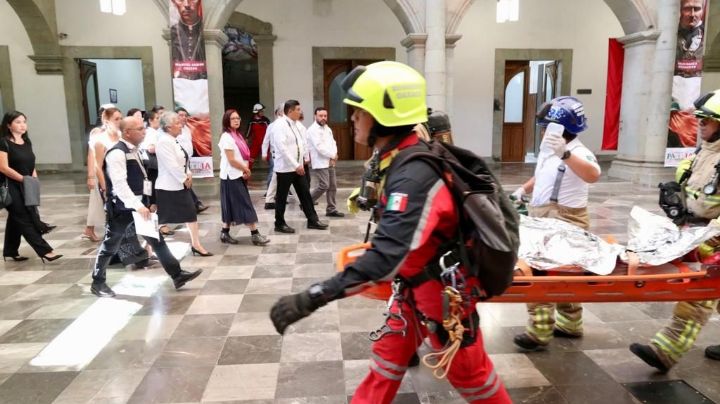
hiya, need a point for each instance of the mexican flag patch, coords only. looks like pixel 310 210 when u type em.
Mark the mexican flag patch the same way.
pixel 397 202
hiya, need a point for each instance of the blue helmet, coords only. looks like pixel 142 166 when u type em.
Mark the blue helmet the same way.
pixel 567 111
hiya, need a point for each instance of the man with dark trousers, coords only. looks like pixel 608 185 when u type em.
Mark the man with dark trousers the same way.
pixel 128 190
pixel 288 157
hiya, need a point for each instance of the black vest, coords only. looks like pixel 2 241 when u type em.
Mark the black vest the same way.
pixel 135 178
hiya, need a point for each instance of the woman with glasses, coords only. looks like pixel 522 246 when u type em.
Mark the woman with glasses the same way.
pixel 235 203
pixel 172 188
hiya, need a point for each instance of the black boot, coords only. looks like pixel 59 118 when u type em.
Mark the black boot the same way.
pixel 527 343
pixel 646 353
pixel 713 352
pixel 227 238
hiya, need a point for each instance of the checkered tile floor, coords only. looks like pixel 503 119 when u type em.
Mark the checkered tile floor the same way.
pixel 213 342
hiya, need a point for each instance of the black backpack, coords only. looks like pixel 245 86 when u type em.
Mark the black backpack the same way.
pixel 488 232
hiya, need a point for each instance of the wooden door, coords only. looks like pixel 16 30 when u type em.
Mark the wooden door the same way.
pixel 514 108
pixel 339 113
pixel 90 97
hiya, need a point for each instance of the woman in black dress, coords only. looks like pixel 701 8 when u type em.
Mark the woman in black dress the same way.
pixel 17 161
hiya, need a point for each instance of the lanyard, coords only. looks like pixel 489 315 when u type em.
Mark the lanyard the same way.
pixel 134 155
pixel 184 153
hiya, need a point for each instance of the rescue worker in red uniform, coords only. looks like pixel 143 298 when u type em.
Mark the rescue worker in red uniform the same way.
pixel 417 214
pixel 256 131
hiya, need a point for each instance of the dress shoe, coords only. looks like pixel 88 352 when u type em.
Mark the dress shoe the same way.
pixel 318 225
pixel 200 208
pixel 564 334
pixel 16 258
pixel 526 342
pixel 165 231
pixel 144 264
pixel 200 253
pixel 646 353
pixel 335 213
pixel 227 238
pixel 184 277
pixel 47 229
pixel 259 239
pixel 284 228
pixel 269 206
pixel 713 352
pixel 101 290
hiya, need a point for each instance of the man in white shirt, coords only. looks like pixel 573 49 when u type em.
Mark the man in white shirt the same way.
pixel 128 190
pixel 289 154
pixel 323 156
pixel 564 170
pixel 268 149
pixel 185 140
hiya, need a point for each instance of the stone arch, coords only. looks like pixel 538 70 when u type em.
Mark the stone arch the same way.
pixel 634 15
pixel 408 15
pixel 41 27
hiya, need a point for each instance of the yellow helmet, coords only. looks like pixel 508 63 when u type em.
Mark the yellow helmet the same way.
pixel 708 106
pixel 392 92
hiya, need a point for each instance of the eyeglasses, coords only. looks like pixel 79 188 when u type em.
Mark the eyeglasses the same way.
pixel 140 128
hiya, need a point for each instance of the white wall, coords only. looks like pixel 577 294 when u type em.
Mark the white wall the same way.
pixel 141 25
pixel 299 27
pixel 581 25
pixel 125 76
pixel 41 98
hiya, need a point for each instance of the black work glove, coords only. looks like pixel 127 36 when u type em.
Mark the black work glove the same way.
pixel 289 309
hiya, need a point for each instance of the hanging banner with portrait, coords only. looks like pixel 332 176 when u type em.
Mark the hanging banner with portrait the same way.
pixel 683 127
pixel 190 85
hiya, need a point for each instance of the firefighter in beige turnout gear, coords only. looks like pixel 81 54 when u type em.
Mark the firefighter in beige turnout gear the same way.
pixel 559 189
pixel 702 200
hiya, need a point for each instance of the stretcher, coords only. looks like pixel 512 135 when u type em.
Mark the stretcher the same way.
pixel 674 281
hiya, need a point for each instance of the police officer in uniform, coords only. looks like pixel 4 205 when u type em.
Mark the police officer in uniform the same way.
pixel 417 214
pixel 702 200
pixel 128 189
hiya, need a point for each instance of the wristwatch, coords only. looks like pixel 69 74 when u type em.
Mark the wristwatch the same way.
pixel 566 155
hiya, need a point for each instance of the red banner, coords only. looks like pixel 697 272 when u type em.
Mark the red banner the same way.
pixel 613 94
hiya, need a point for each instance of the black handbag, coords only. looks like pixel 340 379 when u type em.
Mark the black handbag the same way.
pixel 5 198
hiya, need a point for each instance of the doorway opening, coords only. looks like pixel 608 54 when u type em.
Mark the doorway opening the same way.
pixel 339 113
pixel 241 86
pixel 528 84
pixel 109 81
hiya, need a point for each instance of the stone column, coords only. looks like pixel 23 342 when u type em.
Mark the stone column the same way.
pixel 645 106
pixel 450 41
pixel 435 73
pixel 214 42
pixel 415 45
pixel 265 70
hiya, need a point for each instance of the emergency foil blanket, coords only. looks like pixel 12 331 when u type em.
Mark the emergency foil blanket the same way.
pixel 551 243
pixel 657 240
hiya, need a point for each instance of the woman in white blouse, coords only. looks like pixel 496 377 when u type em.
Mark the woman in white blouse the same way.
pixel 235 203
pixel 174 202
pixel 100 140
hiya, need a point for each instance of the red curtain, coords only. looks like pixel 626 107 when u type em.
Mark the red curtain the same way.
pixel 616 60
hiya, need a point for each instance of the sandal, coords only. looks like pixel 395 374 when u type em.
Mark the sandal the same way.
pixel 92 238
pixel 165 231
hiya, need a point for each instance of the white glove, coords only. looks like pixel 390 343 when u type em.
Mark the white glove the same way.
pixel 519 193
pixel 554 142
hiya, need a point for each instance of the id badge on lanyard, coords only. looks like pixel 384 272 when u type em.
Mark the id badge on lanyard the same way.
pixel 147 187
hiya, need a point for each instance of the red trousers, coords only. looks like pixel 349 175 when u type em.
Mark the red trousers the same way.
pixel 472 373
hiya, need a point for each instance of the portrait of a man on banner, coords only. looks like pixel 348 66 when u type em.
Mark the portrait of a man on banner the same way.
pixel 189 76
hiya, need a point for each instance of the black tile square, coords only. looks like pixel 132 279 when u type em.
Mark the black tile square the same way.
pixel 666 392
